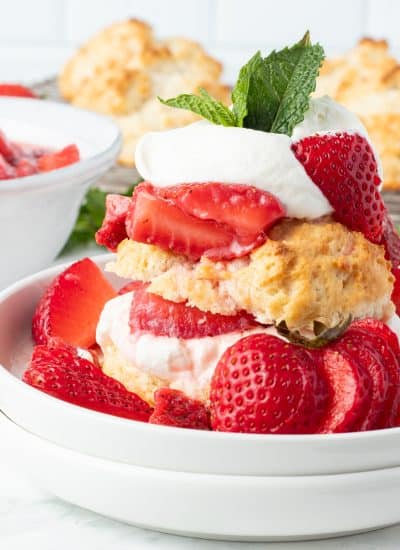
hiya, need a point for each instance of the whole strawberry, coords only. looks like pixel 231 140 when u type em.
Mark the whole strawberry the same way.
pixel 264 385
pixel 343 166
pixel 58 370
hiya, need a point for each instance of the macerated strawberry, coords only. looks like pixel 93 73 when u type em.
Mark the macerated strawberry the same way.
pixel 358 345
pixel 70 307
pixel 58 370
pixel 344 167
pixel 7 171
pixel 174 408
pixel 247 210
pixel 262 384
pixel 350 390
pixel 6 148
pixel 59 159
pixel 16 90
pixel 169 219
pixel 25 167
pixel 152 313
pixel 156 221
pixel 113 229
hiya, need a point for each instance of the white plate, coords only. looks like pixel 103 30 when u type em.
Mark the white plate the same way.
pixel 159 446
pixel 209 506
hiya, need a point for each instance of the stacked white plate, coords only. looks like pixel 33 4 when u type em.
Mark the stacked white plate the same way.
pixel 205 484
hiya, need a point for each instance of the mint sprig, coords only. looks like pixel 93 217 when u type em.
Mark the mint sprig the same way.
pixel 203 105
pixel 271 94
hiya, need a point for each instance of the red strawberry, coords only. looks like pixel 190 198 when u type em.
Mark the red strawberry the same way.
pixel 152 313
pixel 25 167
pixel 350 387
pixel 58 370
pixel 7 171
pixel 358 345
pixel 379 328
pixel 59 159
pixel 391 240
pixel 343 166
pixel 174 408
pixel 16 90
pixel 384 342
pixel 246 209
pixel 6 148
pixel 156 221
pixel 169 218
pixel 129 287
pixel 396 289
pixel 113 229
pixel 264 385
pixel 70 307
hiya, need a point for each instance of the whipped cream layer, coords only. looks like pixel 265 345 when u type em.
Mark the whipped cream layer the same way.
pixel 204 152
pixel 186 365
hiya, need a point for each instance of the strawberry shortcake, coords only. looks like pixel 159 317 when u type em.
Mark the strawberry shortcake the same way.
pixel 261 266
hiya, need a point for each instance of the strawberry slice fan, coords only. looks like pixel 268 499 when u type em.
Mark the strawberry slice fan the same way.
pixel 238 309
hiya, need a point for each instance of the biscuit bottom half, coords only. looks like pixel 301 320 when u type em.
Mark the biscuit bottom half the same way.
pixel 306 271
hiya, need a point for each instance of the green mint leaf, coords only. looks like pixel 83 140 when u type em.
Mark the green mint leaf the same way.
pixel 203 105
pixel 279 92
pixel 241 90
pixel 90 218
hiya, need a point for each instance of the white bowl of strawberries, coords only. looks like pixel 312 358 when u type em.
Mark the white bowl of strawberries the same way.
pixel 49 154
pixel 60 395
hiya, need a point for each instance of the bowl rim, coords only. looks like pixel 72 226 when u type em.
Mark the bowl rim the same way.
pixel 300 439
pixel 44 179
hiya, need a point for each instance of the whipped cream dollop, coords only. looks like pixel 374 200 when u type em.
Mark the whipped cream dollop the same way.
pixel 186 365
pixel 203 152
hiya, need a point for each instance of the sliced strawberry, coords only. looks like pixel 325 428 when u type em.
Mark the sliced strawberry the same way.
pixel 384 341
pixel 25 167
pixel 16 90
pixel 174 408
pixel 133 285
pixel 6 148
pixel 113 229
pixel 379 328
pixel 154 218
pixel 391 240
pixel 350 387
pixel 246 209
pixel 361 348
pixel 264 385
pixel 152 313
pixel 156 221
pixel 7 171
pixel 343 166
pixel 59 159
pixel 396 289
pixel 58 370
pixel 70 307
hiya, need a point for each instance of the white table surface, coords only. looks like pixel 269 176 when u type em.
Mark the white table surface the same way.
pixel 31 519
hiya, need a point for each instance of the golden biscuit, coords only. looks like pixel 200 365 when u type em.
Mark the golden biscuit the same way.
pixel 123 69
pixel 304 272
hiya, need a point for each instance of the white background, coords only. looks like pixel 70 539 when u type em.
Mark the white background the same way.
pixel 37 36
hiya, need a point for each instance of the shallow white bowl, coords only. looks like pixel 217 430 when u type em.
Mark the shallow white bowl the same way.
pixel 204 505
pixel 163 447
pixel 37 212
